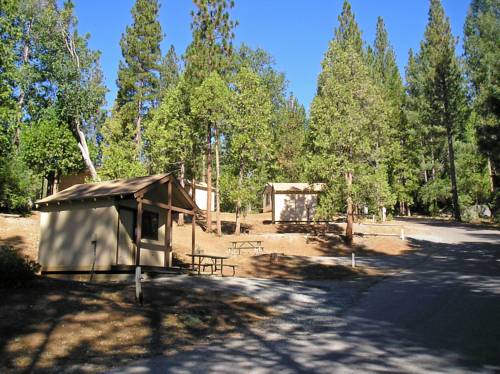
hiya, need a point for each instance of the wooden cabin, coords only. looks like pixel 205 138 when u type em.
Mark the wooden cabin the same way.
pixel 101 226
pixel 291 202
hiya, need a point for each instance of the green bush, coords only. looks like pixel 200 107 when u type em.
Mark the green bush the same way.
pixel 16 270
pixel 18 185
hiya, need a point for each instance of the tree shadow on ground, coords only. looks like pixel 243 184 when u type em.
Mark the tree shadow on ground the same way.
pixel 57 325
pixel 440 315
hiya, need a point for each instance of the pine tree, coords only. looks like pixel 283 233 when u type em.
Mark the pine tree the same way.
pixel 169 72
pixel 209 104
pixel 400 157
pixel 209 52
pixel 443 87
pixel 139 72
pixel 348 120
pixel 249 138
pixel 482 57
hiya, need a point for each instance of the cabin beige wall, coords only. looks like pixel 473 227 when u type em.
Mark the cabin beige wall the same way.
pixel 66 233
pixel 67 230
pixel 294 206
pixel 152 251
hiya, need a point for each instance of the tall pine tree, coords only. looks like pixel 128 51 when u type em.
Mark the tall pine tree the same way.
pixel 139 72
pixel 482 57
pixel 210 52
pixel 443 87
pixel 348 121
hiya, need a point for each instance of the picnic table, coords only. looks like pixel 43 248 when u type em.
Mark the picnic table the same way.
pixel 213 262
pixel 238 245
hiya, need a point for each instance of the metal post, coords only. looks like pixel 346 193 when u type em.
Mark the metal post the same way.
pixel 353 260
pixel 402 234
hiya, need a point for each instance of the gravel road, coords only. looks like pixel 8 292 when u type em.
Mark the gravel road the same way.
pixel 438 312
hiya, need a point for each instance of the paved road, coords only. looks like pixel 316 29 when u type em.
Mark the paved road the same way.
pixel 440 314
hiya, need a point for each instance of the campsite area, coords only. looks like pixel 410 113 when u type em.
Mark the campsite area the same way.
pixel 57 324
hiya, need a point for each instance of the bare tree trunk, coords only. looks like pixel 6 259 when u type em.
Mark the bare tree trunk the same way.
pixel 349 226
pixel 82 142
pixel 84 150
pixel 217 182
pixel 22 94
pixel 490 174
pixel 180 220
pixel 237 229
pixel 209 177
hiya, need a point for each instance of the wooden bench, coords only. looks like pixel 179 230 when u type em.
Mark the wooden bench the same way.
pixel 238 245
pixel 232 267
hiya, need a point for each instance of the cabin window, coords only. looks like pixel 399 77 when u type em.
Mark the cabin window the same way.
pixel 150 225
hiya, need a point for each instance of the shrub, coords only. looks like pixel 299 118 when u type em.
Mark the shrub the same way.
pixel 16 270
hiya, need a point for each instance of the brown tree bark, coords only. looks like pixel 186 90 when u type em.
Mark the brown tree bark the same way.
pixel 217 182
pixel 237 228
pixel 180 220
pixel 208 157
pixel 350 221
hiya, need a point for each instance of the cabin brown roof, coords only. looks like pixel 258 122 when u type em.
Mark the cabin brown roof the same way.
pixel 296 187
pixel 118 187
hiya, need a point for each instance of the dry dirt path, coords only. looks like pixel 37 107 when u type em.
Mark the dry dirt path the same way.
pixel 439 314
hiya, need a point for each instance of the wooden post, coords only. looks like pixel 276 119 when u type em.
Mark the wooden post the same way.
pixel 273 219
pixel 138 233
pixel 168 228
pixel 138 287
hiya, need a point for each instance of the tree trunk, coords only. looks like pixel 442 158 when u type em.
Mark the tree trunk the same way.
pixel 237 229
pixel 180 220
pixel 453 176
pixel 138 134
pixel 84 150
pixel 82 142
pixel 22 94
pixel 490 174
pixel 217 182
pixel 209 177
pixel 349 226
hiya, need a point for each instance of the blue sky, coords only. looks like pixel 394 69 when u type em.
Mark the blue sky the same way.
pixel 295 32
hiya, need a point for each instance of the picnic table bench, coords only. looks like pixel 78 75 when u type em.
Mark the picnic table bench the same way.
pixel 238 245
pixel 215 263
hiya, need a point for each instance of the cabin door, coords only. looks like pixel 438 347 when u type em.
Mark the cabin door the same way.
pixel 126 244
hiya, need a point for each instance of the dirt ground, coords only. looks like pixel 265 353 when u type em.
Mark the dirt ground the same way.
pixel 58 325
pixel 294 244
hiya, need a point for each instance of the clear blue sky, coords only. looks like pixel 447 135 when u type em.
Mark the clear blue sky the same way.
pixel 295 32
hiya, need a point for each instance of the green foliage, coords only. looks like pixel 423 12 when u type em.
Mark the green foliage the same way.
pixel 18 185
pixel 211 47
pixel 119 159
pixel 48 146
pixel 16 270
pixel 169 135
pixel 482 57
pixel 248 137
pixel 472 173
pixel 139 72
pixel 348 125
